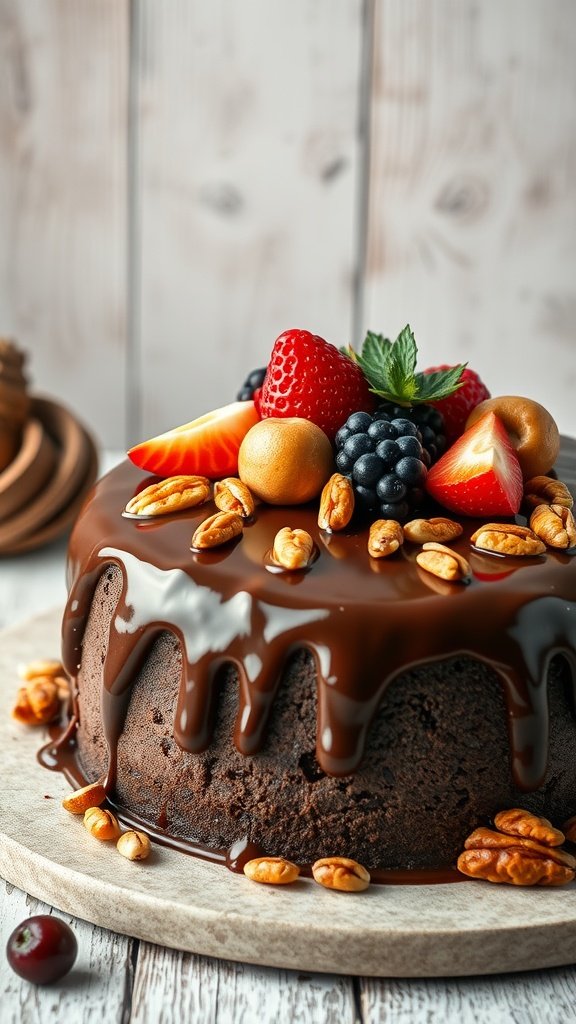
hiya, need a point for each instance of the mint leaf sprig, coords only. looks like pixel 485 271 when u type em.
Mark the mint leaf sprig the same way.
pixel 390 369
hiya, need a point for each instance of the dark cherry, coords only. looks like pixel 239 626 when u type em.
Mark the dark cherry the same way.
pixel 42 949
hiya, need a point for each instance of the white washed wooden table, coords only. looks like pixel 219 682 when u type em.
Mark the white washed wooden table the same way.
pixel 118 980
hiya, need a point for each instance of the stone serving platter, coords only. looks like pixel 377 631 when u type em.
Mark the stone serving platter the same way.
pixel 180 901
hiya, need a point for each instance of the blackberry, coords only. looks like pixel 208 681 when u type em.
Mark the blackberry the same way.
pixel 254 380
pixel 384 459
pixel 428 421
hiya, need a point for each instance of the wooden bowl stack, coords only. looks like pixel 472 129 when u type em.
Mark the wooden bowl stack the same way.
pixel 48 461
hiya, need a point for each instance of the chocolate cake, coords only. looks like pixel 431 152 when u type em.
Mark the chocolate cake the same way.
pixel 359 708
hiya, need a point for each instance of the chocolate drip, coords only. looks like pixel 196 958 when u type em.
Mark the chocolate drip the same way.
pixel 364 622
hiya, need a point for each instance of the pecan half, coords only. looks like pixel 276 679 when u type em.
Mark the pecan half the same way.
pixel 217 529
pixel 439 529
pixel 271 870
pixel 487 839
pixel 508 539
pixel 22 710
pixel 292 549
pixel 42 667
pixel 444 563
pixel 171 495
pixel 555 525
pixel 38 702
pixel 336 503
pixel 341 873
pixel 385 537
pixel 544 490
pixel 518 822
pixel 134 845
pixel 101 824
pixel 232 495
pixel 516 867
pixel 80 800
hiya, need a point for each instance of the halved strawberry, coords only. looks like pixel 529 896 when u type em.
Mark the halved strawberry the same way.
pixel 207 446
pixel 480 474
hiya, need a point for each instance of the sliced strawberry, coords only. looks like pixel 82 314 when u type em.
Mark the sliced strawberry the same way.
pixel 308 378
pixel 480 474
pixel 207 446
pixel 457 407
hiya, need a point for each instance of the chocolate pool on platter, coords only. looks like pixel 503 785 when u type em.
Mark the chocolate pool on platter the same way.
pixel 330 629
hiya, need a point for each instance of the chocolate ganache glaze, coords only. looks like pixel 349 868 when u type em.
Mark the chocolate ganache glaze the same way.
pixel 363 621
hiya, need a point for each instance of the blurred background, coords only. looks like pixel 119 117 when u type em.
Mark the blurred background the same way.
pixel 182 181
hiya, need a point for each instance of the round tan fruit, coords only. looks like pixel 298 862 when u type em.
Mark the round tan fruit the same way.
pixel 532 430
pixel 285 461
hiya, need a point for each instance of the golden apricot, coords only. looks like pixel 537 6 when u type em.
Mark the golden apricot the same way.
pixel 532 430
pixel 285 461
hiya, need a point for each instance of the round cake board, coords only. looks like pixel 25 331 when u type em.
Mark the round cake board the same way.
pixel 185 903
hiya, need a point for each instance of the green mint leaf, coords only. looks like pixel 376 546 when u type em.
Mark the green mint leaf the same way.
pixel 434 386
pixel 373 358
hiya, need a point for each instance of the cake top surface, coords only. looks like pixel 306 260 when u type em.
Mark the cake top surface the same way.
pixel 365 621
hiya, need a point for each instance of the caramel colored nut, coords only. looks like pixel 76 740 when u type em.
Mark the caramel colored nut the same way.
pixel 22 710
pixel 101 824
pixel 385 537
pixel 532 431
pixel 569 829
pixel 444 563
pixel 515 867
pixel 486 838
pixel 82 799
pixel 63 686
pixel 217 529
pixel 44 667
pixel 340 873
pixel 232 495
pixel 134 845
pixel 439 529
pixel 336 503
pixel 38 702
pixel 508 539
pixel 292 549
pixel 555 525
pixel 173 494
pixel 544 490
pixel 271 870
pixel 43 698
pixel 518 822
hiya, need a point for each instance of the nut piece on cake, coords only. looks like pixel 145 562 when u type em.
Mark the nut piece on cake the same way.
pixel 544 490
pixel 232 495
pixel 555 525
pixel 384 538
pixel 292 549
pixel 174 494
pixel 216 530
pixel 439 529
pixel 336 503
pixel 444 563
pixel 508 539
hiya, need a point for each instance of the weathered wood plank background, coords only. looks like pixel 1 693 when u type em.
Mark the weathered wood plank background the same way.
pixel 180 182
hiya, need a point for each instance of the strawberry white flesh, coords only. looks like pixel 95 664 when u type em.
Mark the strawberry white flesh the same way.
pixel 480 474
pixel 207 446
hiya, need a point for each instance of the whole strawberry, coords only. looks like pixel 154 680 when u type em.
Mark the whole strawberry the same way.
pixel 309 378
pixel 458 406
